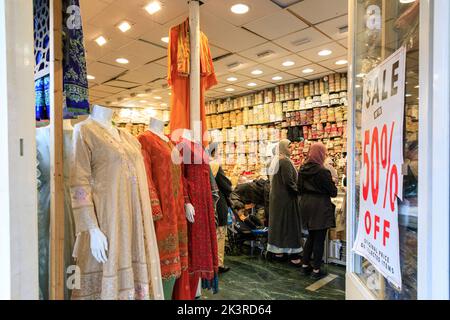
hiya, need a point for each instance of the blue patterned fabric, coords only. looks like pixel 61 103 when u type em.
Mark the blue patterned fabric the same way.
pixel 76 88
pixel 42 88
pixel 75 83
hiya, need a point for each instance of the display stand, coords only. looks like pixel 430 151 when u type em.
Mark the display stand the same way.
pixel 56 154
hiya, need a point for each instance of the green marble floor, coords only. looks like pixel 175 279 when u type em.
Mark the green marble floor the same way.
pixel 254 278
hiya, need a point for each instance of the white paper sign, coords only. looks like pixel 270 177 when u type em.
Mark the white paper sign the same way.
pixel 381 166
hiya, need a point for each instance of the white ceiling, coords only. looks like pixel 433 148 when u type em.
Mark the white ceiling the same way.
pixel 296 32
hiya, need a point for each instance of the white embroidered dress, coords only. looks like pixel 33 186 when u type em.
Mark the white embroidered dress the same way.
pixel 109 191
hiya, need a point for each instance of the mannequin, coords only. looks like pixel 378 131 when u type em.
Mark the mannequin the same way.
pixel 104 116
pixel 98 241
pixel 157 127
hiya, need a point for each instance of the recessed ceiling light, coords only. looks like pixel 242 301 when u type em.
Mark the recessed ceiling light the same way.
pixel 101 41
pixel 240 8
pixel 277 78
pixel 407 1
pixel 341 62
pixel 165 39
pixel 408 95
pixel 158 98
pixel 232 79
pixel 122 61
pixel 257 72
pixel 358 86
pixel 252 84
pixel 229 90
pixel 163 105
pixel 325 53
pixel 288 63
pixel 143 101
pixel 308 70
pixel 142 95
pixel 153 7
pixel 417 87
pixel 89 77
pixel 124 26
pixel 360 75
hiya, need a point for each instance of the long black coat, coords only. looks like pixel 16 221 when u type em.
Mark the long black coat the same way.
pixel 316 188
pixel 225 189
pixel 284 221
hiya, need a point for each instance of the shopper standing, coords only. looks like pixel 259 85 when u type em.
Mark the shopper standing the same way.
pixel 225 189
pixel 284 219
pixel 316 188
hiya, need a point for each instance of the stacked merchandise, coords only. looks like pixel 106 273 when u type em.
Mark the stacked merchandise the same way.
pixel 301 112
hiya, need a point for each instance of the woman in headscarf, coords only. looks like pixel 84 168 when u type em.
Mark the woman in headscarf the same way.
pixel 225 189
pixel 284 219
pixel 316 188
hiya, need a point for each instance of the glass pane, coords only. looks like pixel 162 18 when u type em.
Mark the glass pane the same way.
pixel 382 27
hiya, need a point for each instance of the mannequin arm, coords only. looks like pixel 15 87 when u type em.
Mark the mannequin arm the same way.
pixel 190 212
pixel 99 245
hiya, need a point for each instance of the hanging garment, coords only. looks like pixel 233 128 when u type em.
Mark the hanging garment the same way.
pixel 165 181
pixel 43 175
pixel 75 83
pixel 110 192
pixel 76 87
pixel 42 98
pixel 203 256
pixel 178 77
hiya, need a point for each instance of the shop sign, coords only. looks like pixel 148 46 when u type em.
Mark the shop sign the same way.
pixel 381 166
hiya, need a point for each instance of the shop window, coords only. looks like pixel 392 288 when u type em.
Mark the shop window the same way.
pixel 381 28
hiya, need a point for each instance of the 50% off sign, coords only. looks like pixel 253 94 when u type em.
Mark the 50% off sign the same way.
pixel 381 161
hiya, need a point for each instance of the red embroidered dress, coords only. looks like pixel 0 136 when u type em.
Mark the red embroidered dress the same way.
pixel 203 258
pixel 165 182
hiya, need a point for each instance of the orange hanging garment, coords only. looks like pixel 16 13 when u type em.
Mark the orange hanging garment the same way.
pixel 179 76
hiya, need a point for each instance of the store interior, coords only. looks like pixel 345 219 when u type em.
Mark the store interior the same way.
pixel 281 68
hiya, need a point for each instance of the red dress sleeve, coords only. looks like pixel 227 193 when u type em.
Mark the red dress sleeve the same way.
pixel 154 195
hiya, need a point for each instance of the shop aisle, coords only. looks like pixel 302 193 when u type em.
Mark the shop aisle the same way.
pixel 254 278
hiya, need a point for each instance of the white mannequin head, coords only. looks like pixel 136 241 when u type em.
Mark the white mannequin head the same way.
pixel 102 115
pixel 156 125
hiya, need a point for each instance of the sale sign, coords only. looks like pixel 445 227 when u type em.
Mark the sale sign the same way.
pixel 381 166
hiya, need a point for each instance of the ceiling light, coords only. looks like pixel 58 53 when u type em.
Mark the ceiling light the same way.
pixel 229 90
pixel 143 101
pixel 358 86
pixel 325 53
pixel 240 8
pixel 163 105
pixel 122 61
pixel 153 7
pixel 142 95
pixel 257 72
pixel 165 39
pixel 124 26
pixel 277 78
pixel 101 41
pixel 288 63
pixel 360 75
pixel 89 77
pixel 308 70
pixel 252 84
pixel 232 79
pixel 408 95
pixel 407 1
pixel 417 87
pixel 341 62
pixel 170 93
pixel 158 98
